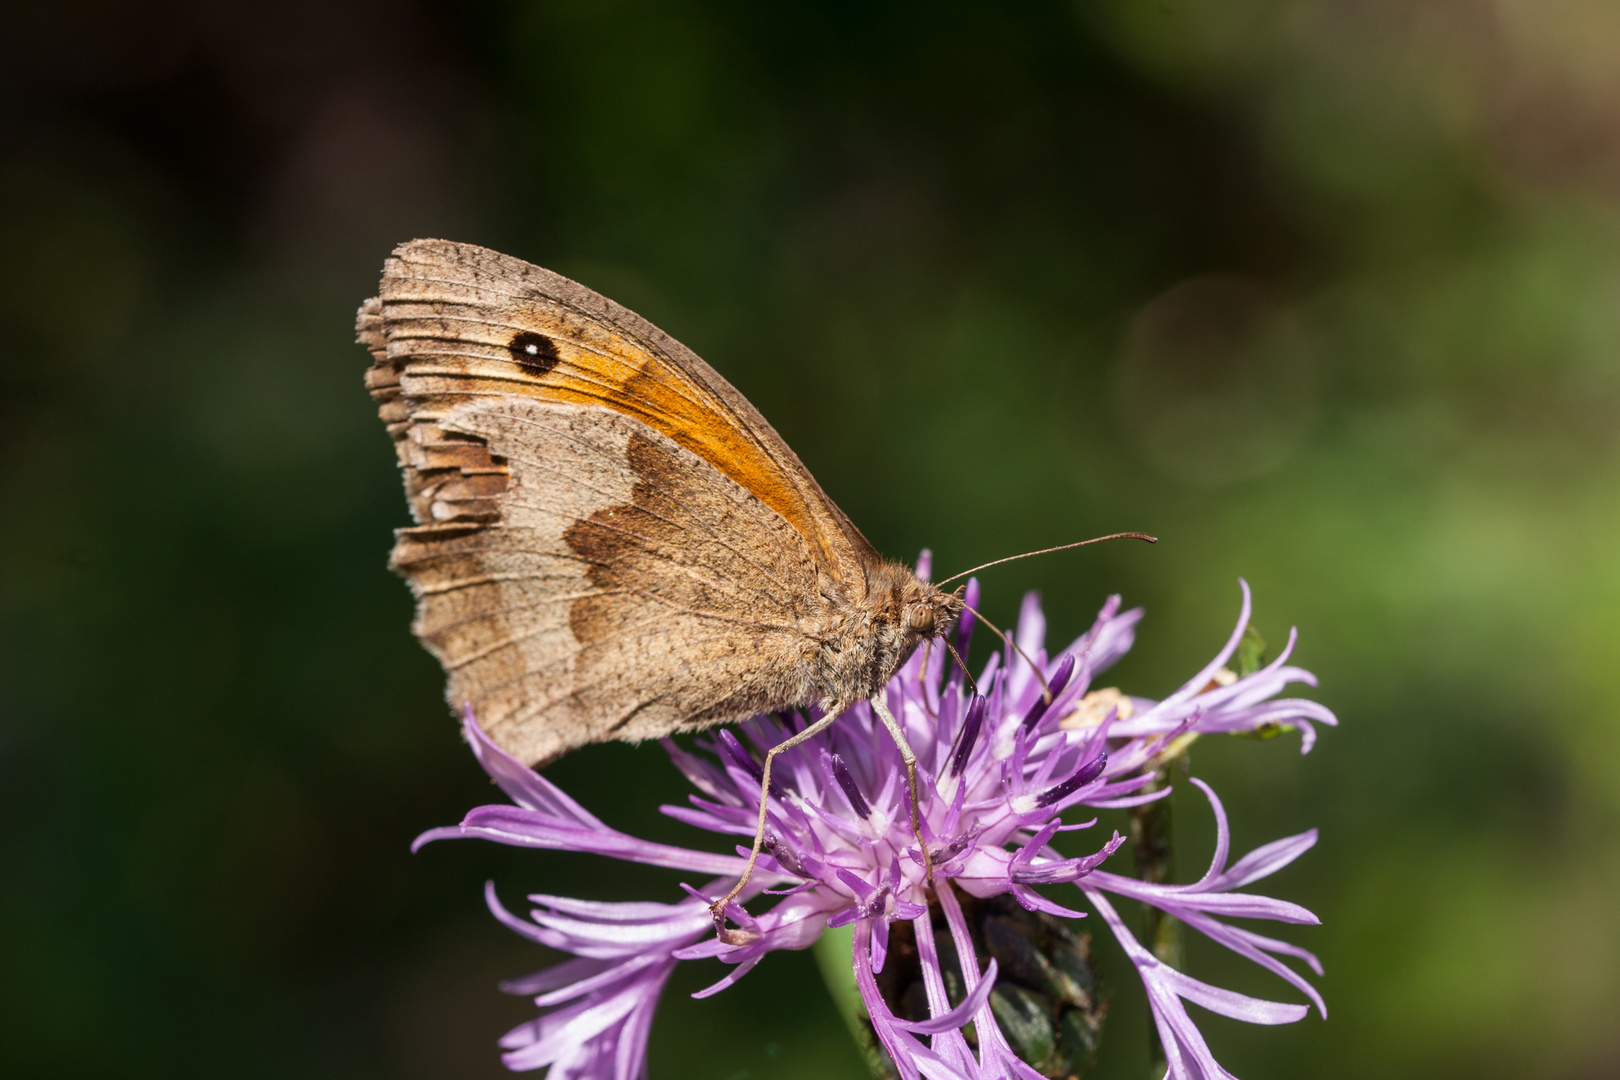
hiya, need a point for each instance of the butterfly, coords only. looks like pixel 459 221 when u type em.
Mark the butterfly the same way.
pixel 610 541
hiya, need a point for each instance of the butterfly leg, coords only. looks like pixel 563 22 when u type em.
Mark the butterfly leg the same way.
pixel 910 759
pixel 718 908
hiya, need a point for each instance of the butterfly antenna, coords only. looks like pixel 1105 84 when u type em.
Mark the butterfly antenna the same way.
pixel 1046 691
pixel 1048 551
pixel 965 673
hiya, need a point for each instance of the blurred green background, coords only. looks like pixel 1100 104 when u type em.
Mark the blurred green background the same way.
pixel 1324 294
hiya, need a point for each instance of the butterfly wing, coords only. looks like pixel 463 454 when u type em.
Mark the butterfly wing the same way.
pixel 612 542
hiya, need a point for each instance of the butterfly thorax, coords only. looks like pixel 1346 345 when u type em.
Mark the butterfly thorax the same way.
pixel 867 641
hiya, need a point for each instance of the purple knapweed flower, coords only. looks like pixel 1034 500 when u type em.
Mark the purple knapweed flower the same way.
pixel 998 771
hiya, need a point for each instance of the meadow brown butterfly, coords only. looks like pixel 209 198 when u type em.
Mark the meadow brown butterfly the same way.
pixel 611 542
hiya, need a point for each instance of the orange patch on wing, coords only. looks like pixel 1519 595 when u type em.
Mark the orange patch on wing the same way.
pixel 594 368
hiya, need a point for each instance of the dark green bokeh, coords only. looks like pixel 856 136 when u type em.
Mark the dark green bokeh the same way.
pixel 1324 295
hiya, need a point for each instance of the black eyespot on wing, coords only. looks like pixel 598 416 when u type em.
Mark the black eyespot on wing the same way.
pixel 536 352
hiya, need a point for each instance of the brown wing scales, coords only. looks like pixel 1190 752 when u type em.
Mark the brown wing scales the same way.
pixel 453 312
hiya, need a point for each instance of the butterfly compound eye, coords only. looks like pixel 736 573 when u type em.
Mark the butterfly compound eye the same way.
pixel 536 352
pixel 920 619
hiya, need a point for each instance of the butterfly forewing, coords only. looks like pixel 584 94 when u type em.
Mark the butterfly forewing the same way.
pixel 464 321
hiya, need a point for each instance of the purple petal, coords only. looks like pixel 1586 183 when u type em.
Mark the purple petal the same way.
pixel 950 1045
pixel 1250 946
pixel 528 828
pixel 1034 901
pixel 1197 683
pixel 1265 860
pixel 522 784
pixel 1223 835
pixel 1082 776
pixel 880 943
pixel 615 911
pixel 563 974
pixel 1113 638
pixel 959 1016
pixel 994 1051
pixel 1055 684
pixel 1230 1003
pixel 506 918
pixel 964 625
pixel 1187 1053
pixel 1177 898
pixel 1129 801
pixel 968 735
pixel 903 1049
pixel 700 772
pixel 1030 635
pixel 618 973
pixel 844 917
pixel 852 792
pixel 582 1026
pixel 863 890
pixel 731 977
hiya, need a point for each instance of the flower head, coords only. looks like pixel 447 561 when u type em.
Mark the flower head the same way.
pixel 998 773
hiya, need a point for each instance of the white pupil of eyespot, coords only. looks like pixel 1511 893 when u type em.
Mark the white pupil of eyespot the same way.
pixel 532 349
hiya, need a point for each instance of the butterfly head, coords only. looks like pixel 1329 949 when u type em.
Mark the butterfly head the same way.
pixel 929 612
pixel 916 610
